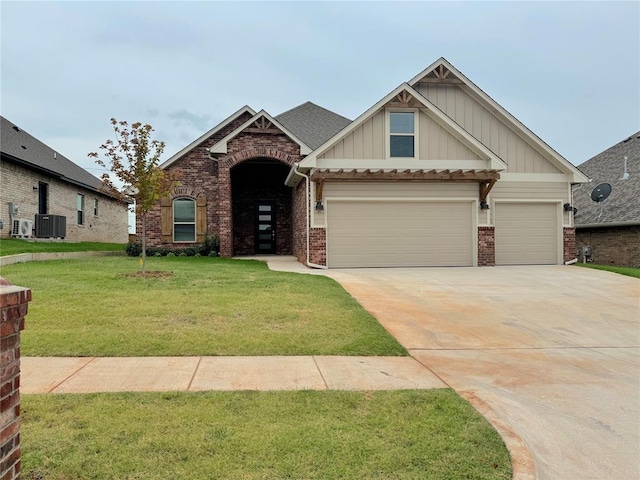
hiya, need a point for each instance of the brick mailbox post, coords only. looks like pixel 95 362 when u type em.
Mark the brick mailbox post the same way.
pixel 13 308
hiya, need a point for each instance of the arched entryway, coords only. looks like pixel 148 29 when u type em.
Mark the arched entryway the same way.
pixel 261 208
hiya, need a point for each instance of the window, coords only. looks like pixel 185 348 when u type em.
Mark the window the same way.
pixel 43 198
pixel 80 201
pixel 402 134
pixel 95 207
pixel 184 220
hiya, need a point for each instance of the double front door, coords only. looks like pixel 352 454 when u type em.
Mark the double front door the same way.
pixel 265 234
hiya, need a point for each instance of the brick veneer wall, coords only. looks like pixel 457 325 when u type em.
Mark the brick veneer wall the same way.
pixel 619 246
pixel 569 243
pixel 318 246
pixel 200 173
pixel 110 225
pixel 13 305
pixel 486 246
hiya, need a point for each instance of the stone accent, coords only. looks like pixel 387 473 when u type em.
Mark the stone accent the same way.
pixel 109 225
pixel 569 243
pixel 13 305
pixel 618 246
pixel 486 246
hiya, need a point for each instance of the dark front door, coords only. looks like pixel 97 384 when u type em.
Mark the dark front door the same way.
pixel 265 240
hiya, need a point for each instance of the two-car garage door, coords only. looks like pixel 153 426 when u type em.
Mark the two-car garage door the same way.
pixel 403 233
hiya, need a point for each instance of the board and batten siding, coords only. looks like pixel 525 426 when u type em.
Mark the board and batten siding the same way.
pixel 368 142
pixel 375 190
pixel 487 128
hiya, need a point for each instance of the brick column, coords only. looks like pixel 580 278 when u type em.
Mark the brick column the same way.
pixel 13 308
pixel 225 211
pixel 318 246
pixel 486 247
pixel 569 243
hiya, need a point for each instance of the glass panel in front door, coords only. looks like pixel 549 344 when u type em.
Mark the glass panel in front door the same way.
pixel 265 235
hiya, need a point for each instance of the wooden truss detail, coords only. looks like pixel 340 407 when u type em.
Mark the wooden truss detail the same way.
pixel 262 123
pixel 404 97
pixel 441 74
pixel 486 179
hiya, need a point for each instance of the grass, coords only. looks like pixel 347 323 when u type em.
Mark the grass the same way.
pixel 259 435
pixel 629 271
pixel 209 306
pixel 13 246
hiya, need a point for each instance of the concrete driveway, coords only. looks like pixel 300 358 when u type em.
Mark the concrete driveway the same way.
pixel 552 351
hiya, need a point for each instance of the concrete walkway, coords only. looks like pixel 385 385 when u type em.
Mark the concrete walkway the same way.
pixel 144 374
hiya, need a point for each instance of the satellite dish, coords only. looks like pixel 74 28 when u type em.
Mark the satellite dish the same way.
pixel 601 192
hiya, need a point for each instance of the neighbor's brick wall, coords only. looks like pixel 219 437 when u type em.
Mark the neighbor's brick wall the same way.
pixel 13 306
pixel 17 186
pixel 486 246
pixel 569 243
pixel 619 246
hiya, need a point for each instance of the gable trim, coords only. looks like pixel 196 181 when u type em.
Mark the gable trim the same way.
pixel 430 109
pixel 221 146
pixel 202 138
pixel 493 106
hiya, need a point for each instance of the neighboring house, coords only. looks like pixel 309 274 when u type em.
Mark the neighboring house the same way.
pixel 46 195
pixel 434 174
pixel 611 229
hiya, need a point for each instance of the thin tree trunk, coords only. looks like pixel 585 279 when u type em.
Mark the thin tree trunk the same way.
pixel 144 244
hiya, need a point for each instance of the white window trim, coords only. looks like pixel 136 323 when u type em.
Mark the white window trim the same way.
pixel 416 131
pixel 82 204
pixel 173 220
pixel 95 207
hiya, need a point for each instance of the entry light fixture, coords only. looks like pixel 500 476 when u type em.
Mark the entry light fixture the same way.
pixel 567 207
pixel 35 188
pixel 484 205
pixel 319 205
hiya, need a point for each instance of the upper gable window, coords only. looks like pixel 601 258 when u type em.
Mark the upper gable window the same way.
pixel 402 134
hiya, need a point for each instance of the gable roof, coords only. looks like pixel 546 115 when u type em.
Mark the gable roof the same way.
pixel 443 119
pixel 468 86
pixel 313 124
pixel 622 207
pixel 20 147
pixel 221 146
pixel 206 135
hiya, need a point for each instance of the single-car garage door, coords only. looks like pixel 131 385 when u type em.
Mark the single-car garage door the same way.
pixel 526 233
pixel 403 233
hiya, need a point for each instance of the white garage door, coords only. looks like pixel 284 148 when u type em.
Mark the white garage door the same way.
pixel 526 233
pixel 399 234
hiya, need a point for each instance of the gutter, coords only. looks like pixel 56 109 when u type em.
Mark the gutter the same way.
pixel 306 177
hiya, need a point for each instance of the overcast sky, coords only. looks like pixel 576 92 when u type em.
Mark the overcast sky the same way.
pixel 570 71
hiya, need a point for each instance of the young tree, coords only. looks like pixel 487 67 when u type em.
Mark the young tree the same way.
pixel 133 159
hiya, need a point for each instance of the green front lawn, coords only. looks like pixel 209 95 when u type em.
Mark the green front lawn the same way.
pixel 209 306
pixel 430 434
pixel 629 271
pixel 13 246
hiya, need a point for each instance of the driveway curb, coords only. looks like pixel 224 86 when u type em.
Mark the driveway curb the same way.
pixel 36 257
pixel 521 458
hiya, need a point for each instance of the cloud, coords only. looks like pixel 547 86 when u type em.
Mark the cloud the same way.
pixel 184 117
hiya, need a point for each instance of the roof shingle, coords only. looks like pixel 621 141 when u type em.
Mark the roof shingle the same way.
pixel 623 205
pixel 312 124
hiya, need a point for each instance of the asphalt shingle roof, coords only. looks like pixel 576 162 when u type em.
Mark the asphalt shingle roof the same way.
pixel 28 150
pixel 623 205
pixel 312 124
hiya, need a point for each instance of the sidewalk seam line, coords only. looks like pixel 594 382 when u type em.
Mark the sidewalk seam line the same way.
pixel 71 375
pixel 194 374
pixel 320 372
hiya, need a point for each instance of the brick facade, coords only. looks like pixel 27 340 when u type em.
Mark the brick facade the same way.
pixel 109 225
pixel 569 243
pixel 486 246
pixel 13 305
pixel 318 246
pixel 253 170
pixel 619 246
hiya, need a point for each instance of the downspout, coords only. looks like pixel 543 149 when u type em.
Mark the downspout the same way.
pixel 306 177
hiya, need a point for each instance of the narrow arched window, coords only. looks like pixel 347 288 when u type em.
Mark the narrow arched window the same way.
pixel 184 220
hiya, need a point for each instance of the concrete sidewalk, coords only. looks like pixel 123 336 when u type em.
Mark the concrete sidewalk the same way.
pixel 144 374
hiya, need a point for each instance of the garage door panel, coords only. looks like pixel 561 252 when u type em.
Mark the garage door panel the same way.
pixel 526 233
pixel 403 233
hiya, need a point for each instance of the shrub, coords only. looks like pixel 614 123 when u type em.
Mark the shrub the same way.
pixel 211 244
pixel 171 254
pixel 190 252
pixel 133 249
pixel 212 254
